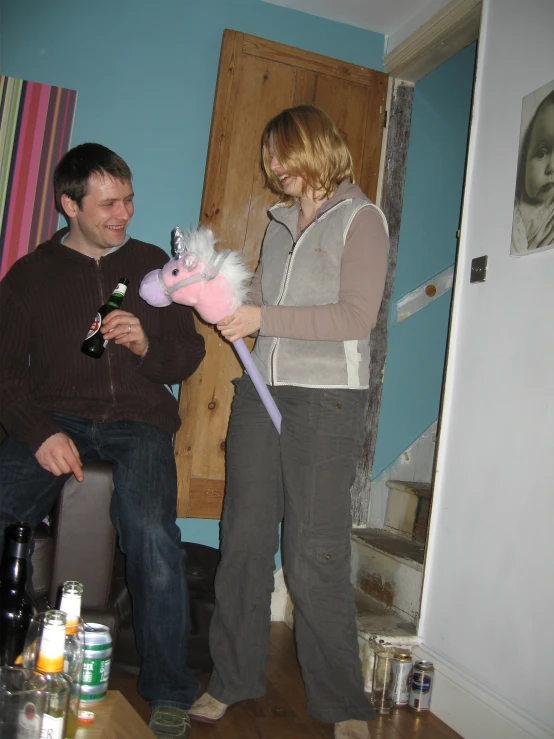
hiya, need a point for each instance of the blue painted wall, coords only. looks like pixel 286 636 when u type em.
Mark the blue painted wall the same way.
pixel 146 74
pixel 427 246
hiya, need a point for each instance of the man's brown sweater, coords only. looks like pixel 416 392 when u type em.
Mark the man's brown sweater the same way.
pixel 47 303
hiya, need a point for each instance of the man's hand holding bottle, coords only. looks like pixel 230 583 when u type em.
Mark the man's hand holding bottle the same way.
pixel 124 328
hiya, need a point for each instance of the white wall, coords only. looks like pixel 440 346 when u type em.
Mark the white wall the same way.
pixel 488 594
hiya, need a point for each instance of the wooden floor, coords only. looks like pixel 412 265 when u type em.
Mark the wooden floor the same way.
pixel 281 713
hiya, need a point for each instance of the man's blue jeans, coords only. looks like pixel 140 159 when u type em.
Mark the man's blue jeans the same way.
pixel 143 512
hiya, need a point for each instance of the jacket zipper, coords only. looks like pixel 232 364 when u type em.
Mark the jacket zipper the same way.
pixel 272 368
pixel 284 283
pixel 102 301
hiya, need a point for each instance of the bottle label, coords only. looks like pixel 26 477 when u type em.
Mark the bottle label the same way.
pixel 120 290
pixel 28 724
pixel 95 326
pixel 72 624
pixel 52 728
pixel 52 647
pixel 71 605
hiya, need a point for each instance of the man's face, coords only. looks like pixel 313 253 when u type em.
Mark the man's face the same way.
pixel 101 222
pixel 539 170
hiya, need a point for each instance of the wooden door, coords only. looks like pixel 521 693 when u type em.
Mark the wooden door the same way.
pixel 256 80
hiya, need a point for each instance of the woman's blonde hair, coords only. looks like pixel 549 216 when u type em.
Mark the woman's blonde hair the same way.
pixel 307 144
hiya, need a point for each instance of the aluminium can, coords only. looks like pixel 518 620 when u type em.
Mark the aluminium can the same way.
pixel 96 664
pixel 402 674
pixel 422 686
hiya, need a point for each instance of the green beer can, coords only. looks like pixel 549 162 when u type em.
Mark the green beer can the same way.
pixel 96 665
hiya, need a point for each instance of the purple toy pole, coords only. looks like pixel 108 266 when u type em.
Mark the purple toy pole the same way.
pixel 259 384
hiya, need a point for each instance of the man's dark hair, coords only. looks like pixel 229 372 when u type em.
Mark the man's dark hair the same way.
pixel 72 174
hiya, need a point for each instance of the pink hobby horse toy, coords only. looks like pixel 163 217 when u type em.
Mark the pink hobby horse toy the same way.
pixel 214 284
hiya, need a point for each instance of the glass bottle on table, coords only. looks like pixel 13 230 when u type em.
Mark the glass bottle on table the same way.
pixel 50 662
pixel 17 605
pixel 70 604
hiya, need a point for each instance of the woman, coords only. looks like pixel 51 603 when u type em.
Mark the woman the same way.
pixel 314 300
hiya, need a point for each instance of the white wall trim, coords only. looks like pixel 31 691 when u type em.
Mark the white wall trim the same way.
pixel 440 38
pixel 417 299
pixel 391 90
pixel 396 37
pixel 473 710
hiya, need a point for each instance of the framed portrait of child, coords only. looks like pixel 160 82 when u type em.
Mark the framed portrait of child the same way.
pixel 533 220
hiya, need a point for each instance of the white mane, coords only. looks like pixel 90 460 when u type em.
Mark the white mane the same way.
pixel 202 242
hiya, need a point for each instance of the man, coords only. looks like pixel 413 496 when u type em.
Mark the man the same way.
pixel 61 408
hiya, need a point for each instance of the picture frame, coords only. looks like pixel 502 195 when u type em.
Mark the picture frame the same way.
pixel 533 215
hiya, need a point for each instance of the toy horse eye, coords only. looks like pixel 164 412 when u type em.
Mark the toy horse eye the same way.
pixel 175 272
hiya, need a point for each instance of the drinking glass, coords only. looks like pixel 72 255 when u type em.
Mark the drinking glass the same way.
pixel 22 696
pixel 382 694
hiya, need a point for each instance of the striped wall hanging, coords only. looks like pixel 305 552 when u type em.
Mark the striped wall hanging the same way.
pixel 35 131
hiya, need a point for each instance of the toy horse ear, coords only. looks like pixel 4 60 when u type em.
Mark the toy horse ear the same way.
pixel 190 260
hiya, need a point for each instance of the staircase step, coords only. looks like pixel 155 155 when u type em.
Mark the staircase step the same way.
pixel 378 626
pixel 409 552
pixel 408 506
pixel 389 569
pixel 377 622
pixel 421 489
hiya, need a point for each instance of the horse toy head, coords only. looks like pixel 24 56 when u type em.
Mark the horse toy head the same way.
pixel 213 283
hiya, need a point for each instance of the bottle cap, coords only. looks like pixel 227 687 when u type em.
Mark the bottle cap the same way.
pixel 85 717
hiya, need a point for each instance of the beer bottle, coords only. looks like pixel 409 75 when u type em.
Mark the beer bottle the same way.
pixel 94 344
pixel 50 663
pixel 17 605
pixel 70 604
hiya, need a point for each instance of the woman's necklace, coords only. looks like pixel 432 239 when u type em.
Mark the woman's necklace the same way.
pixel 303 222
pixel 304 217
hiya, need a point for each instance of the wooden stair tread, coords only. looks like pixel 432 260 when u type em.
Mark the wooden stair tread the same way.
pixel 375 619
pixel 396 546
pixel 421 489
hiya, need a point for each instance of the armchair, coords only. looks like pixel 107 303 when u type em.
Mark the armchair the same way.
pixel 81 544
